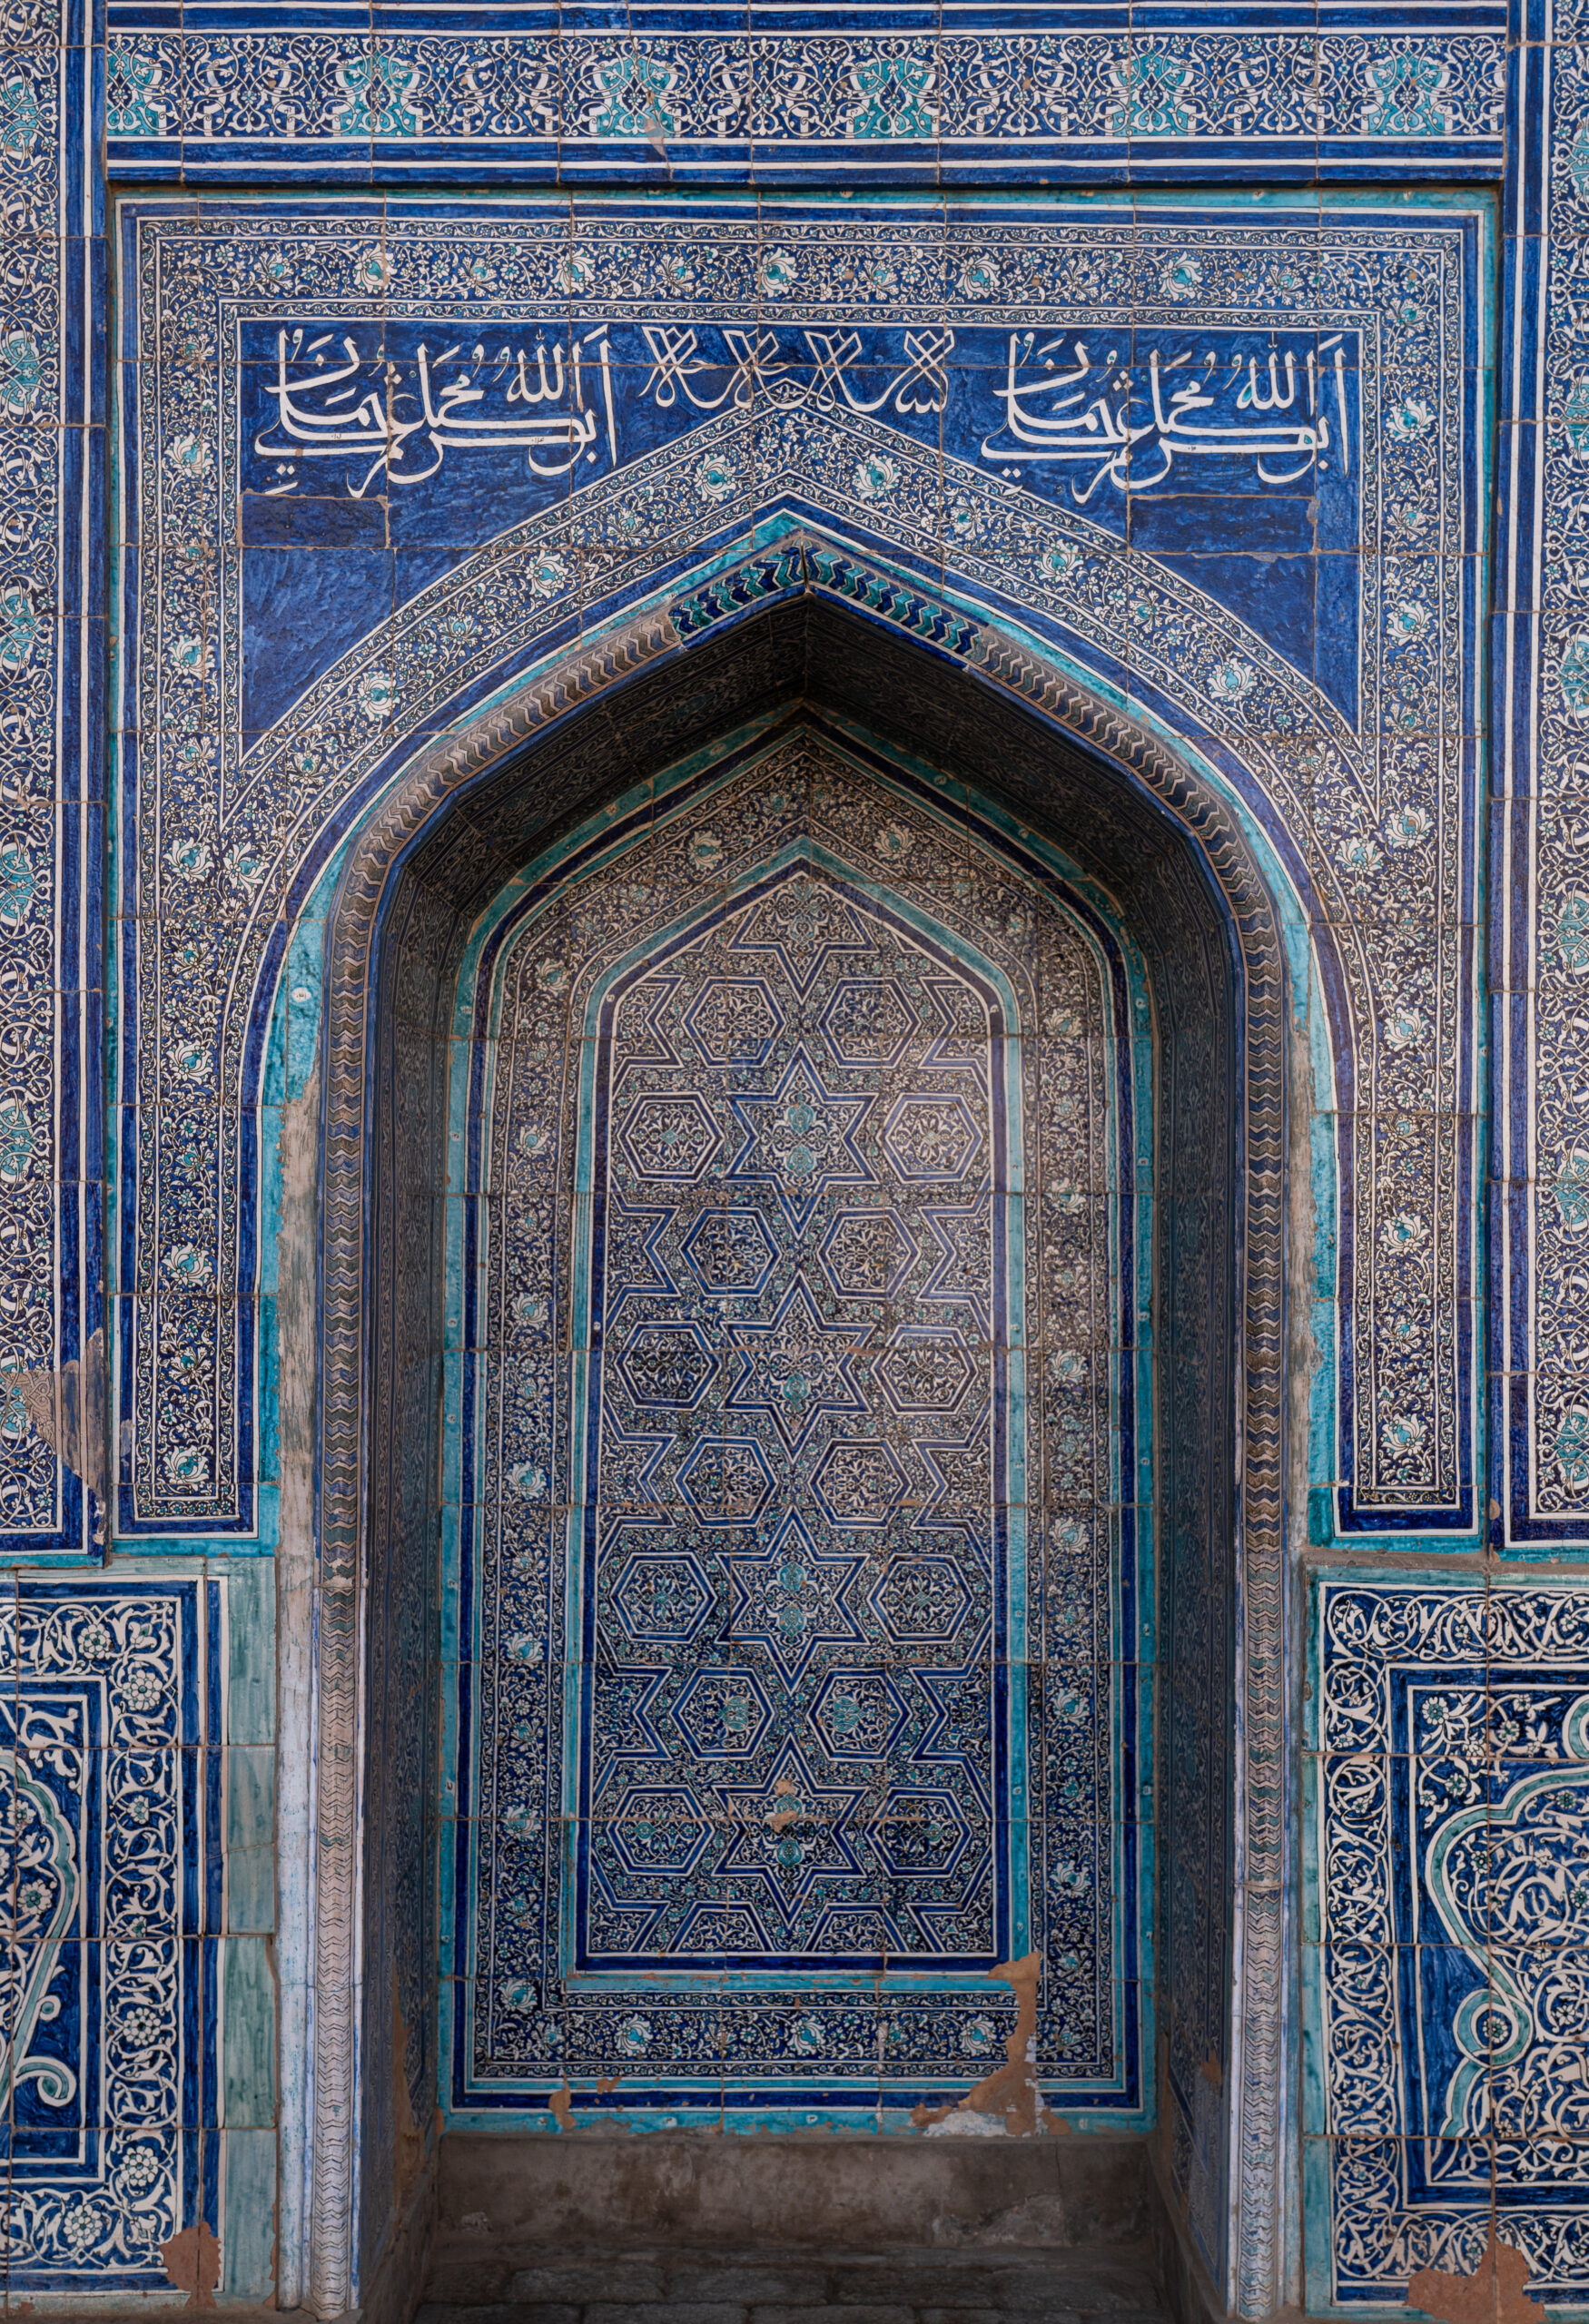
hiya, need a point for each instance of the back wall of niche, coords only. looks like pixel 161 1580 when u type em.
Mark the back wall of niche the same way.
pixel 798 1720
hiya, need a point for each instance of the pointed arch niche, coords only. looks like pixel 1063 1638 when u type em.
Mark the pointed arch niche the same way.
pixel 804 1144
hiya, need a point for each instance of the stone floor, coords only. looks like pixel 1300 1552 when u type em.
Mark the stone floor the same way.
pixel 1102 2285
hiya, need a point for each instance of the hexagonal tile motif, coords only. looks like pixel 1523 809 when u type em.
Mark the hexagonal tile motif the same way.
pixel 656 1830
pixel 860 1483
pixel 921 1601
pixel 932 1138
pixel 731 1252
pixel 726 1481
pixel 669 1139
pixel 721 1713
pixel 736 1020
pixel 661 1597
pixel 927 1372
pixel 869 1020
pixel 858 1713
pixel 923 1832
pixel 867 1253
pixel 668 1365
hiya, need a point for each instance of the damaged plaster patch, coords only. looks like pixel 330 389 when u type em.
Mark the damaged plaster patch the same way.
pixel 192 2263
pixel 1495 2293
pixel 67 1409
pixel 1008 2103
pixel 561 2103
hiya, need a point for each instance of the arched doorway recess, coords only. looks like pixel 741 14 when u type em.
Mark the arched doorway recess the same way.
pixel 1162 848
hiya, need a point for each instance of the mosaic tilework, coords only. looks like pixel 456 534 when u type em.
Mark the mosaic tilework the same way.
pixel 1445 1960
pixel 1542 1307
pixel 798 1642
pixel 113 1869
pixel 1352 739
pixel 50 1291
pixel 1244 92
pixel 791 96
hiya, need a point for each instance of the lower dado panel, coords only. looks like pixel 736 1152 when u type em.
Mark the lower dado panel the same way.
pixel 797 1687
pixel 136 1832
pixel 1446 1937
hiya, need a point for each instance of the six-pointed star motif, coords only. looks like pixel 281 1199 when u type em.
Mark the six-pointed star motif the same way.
pixel 790 1597
pixel 797 1367
pixel 801 1140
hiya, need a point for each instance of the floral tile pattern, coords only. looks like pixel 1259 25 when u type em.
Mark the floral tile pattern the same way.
pixel 112 1874
pixel 1445 1956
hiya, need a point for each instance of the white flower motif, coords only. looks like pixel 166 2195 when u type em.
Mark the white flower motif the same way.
pixel 190 1061
pixel 187 1466
pixel 977 2036
pixel 519 1993
pixel 525 1647
pixel 373 267
pixel 705 851
pixel 1361 856
pixel 715 479
pixel 1403 1028
pixel 191 657
pixel 967 522
pixel 551 975
pixel 189 458
pixel 635 2037
pixel 1405 826
pixel 246 867
pixel 1409 620
pixel 875 476
pixel 186 1263
pixel 1232 682
pixel 979 276
pixel 1182 278
pixel 1404 1434
pixel 1410 420
pixel 892 843
pixel 1061 560
pixel 376 696
pixel 548 573
pixel 190 859
pixel 576 271
pixel 527 1479
pixel 808 2036
pixel 83 2225
pixel 1403 1234
pixel 1067 1367
pixel 777 273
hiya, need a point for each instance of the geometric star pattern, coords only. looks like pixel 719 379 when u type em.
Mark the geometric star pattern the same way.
pixel 776 1388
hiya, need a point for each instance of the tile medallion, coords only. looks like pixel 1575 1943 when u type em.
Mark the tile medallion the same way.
pixel 1447 1815
pixel 800 1679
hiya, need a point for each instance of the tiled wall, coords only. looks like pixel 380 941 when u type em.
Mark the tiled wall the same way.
pixel 223 631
